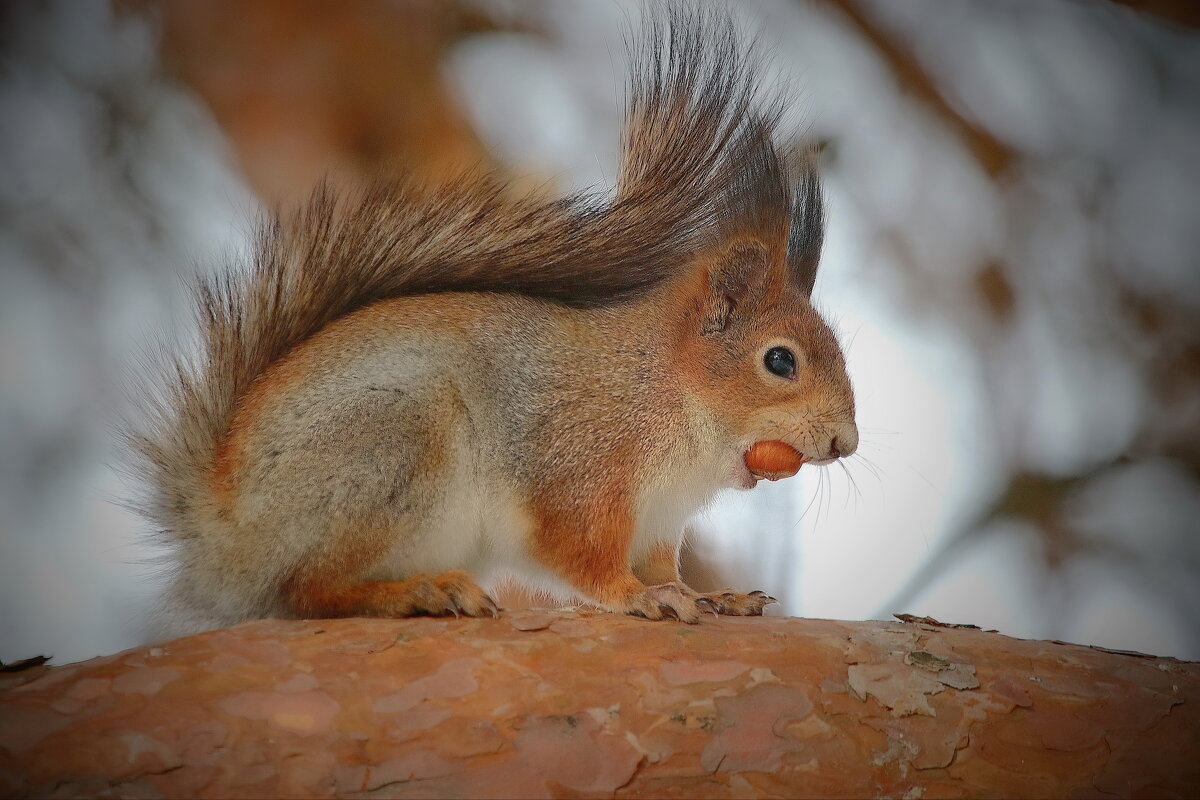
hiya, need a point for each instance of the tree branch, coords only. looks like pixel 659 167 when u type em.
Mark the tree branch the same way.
pixel 569 703
pixel 993 155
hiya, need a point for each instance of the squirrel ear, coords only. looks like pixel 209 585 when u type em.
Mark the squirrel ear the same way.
pixel 735 277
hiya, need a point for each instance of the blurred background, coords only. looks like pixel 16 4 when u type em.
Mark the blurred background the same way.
pixel 1013 266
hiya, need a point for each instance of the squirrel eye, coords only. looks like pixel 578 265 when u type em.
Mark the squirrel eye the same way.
pixel 780 361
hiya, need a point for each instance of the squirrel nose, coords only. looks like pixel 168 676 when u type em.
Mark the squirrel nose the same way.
pixel 845 441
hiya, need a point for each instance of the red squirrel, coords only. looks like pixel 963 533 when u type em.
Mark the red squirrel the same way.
pixel 409 390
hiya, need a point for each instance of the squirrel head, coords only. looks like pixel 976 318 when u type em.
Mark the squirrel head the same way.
pixel 762 357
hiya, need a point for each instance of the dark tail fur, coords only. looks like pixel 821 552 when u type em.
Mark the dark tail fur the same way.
pixel 698 156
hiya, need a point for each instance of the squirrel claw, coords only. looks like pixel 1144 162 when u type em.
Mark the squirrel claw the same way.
pixel 708 605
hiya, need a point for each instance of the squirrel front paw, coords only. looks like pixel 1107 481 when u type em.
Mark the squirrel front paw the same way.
pixel 735 604
pixel 665 601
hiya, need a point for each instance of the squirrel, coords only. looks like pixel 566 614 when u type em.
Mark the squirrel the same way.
pixel 408 390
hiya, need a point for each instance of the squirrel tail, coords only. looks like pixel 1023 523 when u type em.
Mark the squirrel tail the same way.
pixel 694 118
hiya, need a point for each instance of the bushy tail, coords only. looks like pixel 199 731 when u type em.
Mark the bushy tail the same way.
pixel 693 121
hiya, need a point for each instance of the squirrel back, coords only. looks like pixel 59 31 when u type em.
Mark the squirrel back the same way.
pixel 701 181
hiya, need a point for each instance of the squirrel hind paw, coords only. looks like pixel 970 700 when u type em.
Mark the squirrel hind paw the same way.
pixel 462 596
pixel 451 593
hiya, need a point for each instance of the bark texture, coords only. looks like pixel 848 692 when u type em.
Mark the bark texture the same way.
pixel 583 704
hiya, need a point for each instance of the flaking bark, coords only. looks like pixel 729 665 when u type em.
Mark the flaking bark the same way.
pixel 571 703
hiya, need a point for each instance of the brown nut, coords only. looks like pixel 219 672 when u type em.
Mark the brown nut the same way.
pixel 773 460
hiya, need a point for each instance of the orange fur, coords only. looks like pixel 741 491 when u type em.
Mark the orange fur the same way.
pixel 588 546
pixel 660 564
pixel 328 581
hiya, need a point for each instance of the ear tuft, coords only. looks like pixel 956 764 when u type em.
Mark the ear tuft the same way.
pixel 806 233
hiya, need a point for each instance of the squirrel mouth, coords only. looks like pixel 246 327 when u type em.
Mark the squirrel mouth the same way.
pixel 771 476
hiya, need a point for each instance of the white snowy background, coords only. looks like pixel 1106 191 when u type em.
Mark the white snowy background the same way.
pixel 116 184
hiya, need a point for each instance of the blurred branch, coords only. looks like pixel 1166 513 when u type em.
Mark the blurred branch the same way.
pixel 1172 371
pixel 1037 499
pixel 993 155
pixel 304 88
pixel 1181 12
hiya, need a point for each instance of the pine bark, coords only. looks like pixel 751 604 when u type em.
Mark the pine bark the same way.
pixel 583 704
